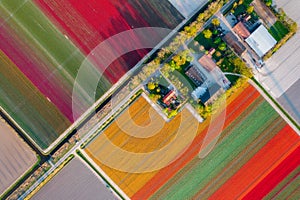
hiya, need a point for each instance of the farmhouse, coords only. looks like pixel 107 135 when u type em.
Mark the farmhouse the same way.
pixel 209 64
pixel 169 98
pixel 234 43
pixel 207 94
pixel 208 78
pixel 261 41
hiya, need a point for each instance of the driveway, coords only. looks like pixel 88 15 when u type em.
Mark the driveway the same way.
pixel 281 74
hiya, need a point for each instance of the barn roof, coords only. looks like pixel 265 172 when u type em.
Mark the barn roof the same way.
pixel 261 41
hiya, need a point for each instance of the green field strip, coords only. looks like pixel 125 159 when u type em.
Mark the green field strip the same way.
pixel 292 191
pixel 41 120
pixel 286 187
pixel 37 30
pixel 224 134
pixel 244 156
pixel 226 151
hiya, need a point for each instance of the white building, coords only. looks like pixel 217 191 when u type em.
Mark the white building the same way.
pixel 261 41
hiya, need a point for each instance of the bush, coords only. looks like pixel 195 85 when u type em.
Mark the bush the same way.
pixel 215 22
pixel 222 46
pixel 250 9
pixel 207 33
pixel 151 86
pixel 268 2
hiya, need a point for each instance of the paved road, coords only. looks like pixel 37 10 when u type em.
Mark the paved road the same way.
pixel 280 76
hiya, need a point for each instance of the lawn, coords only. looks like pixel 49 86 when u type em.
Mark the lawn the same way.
pixel 278 31
pixel 207 43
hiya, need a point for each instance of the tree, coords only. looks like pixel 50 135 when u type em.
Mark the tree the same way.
pixel 207 33
pixel 151 86
pixel 215 32
pixel 242 67
pixel 293 27
pixel 201 17
pixel 215 22
pixel 234 5
pixel 222 46
pixel 218 40
pixel 191 30
pixel 268 2
pixel 250 9
pixel 173 113
pixel 154 97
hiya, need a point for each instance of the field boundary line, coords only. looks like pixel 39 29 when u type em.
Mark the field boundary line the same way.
pixel 112 115
pixel 21 177
pixel 121 81
pixel 40 183
pixel 84 161
pixel 20 129
pixel 103 175
pixel 155 107
pixel 276 106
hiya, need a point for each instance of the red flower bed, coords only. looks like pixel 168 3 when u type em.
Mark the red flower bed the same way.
pixel 257 176
pixel 276 176
pixel 88 23
pixel 233 110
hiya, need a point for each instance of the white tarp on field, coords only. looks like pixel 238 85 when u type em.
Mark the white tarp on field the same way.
pixel 187 7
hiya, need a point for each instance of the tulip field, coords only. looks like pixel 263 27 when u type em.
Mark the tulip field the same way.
pixel 48 47
pixel 254 145
pixel 88 23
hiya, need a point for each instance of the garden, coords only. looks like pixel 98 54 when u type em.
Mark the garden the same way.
pixel 278 31
pixel 162 92
pixel 210 39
